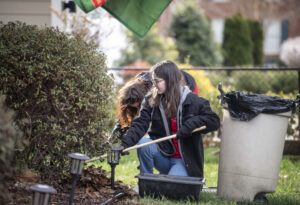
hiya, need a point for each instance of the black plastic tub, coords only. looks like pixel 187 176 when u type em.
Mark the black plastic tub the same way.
pixel 172 187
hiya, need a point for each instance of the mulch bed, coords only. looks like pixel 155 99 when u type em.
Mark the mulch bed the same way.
pixel 93 187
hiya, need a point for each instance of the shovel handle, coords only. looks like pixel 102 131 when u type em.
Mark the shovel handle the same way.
pixel 159 140
pixel 145 144
pixel 96 158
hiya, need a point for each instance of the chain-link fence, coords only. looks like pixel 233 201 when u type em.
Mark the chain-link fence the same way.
pixel 282 82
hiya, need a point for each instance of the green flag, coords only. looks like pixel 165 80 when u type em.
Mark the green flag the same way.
pixel 137 15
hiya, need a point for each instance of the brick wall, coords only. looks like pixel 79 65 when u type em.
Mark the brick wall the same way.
pixel 257 9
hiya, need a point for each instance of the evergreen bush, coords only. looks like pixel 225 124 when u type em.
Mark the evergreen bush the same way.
pixel 194 38
pixel 257 40
pixel 237 44
pixel 60 85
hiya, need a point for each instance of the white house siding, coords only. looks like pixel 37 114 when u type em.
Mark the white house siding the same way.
pixel 34 12
pixel 56 5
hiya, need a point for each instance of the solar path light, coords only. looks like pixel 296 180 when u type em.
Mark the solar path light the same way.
pixel 41 194
pixel 76 169
pixel 113 157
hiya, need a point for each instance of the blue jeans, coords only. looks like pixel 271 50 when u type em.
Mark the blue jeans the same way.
pixel 150 158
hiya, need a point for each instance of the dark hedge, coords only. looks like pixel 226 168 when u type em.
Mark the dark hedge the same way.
pixel 237 43
pixel 194 38
pixel 60 85
pixel 257 37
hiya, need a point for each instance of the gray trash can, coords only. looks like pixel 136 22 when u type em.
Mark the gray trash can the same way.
pixel 250 153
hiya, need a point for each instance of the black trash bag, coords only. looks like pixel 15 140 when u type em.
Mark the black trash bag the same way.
pixel 245 107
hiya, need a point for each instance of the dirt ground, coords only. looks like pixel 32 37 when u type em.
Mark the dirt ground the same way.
pixel 93 187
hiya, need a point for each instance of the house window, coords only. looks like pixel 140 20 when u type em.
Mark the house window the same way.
pixel 217 26
pixel 272 36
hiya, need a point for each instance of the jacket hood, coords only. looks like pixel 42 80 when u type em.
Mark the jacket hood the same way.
pixel 184 91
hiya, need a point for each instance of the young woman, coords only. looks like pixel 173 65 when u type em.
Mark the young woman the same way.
pixel 129 102
pixel 171 108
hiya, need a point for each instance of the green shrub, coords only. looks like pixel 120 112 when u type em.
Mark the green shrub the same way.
pixel 194 38
pixel 10 138
pixel 60 84
pixel 286 81
pixel 251 81
pixel 237 43
pixel 264 81
pixel 257 35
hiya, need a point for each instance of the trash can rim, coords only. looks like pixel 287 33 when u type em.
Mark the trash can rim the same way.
pixel 283 114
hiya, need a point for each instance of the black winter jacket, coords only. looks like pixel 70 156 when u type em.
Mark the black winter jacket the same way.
pixel 196 112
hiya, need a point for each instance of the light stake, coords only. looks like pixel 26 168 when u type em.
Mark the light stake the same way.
pixel 41 194
pixel 113 157
pixel 76 168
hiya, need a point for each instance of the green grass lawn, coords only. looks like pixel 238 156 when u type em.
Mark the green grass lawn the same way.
pixel 287 192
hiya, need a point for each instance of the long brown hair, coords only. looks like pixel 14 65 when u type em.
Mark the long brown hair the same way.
pixel 132 92
pixel 168 71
